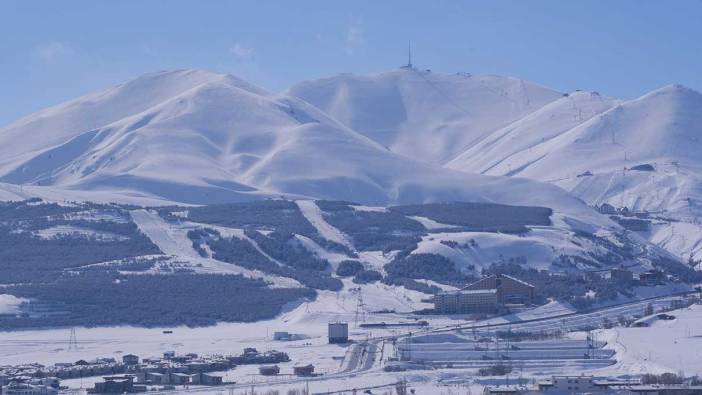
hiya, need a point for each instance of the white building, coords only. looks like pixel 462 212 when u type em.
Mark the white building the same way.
pixel 557 385
pixel 569 384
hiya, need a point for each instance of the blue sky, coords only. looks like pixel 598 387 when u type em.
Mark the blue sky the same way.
pixel 51 51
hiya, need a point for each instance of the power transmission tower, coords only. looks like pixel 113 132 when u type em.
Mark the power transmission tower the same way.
pixel 72 340
pixel 360 308
pixel 401 387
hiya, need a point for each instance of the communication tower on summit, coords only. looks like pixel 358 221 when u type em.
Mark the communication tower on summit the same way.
pixel 409 57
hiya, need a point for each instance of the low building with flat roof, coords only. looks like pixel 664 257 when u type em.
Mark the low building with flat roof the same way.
pixel 466 301
pixel 269 370
pixel 307 370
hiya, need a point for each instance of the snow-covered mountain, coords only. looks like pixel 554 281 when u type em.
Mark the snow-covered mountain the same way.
pixel 642 154
pixel 353 156
pixel 200 137
pixel 496 153
pixel 586 143
pixel 404 136
pixel 425 115
pixel 660 127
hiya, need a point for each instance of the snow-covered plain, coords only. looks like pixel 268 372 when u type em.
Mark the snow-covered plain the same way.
pixel 677 346
pixel 310 319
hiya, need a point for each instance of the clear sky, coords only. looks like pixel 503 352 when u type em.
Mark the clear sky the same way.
pixel 51 51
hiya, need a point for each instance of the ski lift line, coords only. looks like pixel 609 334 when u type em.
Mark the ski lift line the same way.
pixel 525 92
pixel 459 108
pixel 441 93
pixel 543 141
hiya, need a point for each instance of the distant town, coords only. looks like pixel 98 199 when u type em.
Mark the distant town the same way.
pixel 491 348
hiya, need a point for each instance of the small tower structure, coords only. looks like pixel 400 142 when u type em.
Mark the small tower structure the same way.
pixel 409 57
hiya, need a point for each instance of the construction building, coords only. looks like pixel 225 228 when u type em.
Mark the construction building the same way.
pixel 621 275
pixel 281 336
pixel 652 277
pixel 486 295
pixel 117 385
pixel 269 370
pixel 252 356
pixel 307 370
pixel 130 360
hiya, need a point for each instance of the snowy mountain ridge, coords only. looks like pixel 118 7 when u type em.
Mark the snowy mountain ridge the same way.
pixel 591 145
pixel 197 137
pixel 421 114
pixel 398 137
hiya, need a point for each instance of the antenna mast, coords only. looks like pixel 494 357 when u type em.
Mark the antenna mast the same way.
pixel 409 57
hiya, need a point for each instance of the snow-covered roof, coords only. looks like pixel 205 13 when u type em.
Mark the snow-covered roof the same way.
pixel 471 291
pixel 517 280
pixel 499 275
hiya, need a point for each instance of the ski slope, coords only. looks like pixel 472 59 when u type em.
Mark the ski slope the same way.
pixel 313 214
pixel 173 241
pixel 422 114
pixel 642 154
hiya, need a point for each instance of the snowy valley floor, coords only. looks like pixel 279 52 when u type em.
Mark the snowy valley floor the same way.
pixel 672 346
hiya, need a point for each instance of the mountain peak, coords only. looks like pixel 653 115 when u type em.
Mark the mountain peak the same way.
pixel 187 79
pixel 674 90
pixel 402 107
